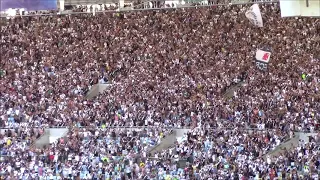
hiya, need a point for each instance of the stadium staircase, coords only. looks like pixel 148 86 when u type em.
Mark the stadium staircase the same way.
pixel 230 92
pixel 168 141
pixel 53 134
pixel 290 143
pixel 49 136
pixel 96 90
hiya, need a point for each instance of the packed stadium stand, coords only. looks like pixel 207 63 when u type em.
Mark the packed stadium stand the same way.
pixel 158 90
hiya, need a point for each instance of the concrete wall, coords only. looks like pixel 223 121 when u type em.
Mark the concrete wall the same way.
pixel 165 143
pixel 96 90
pixel 169 140
pixel 50 135
pixel 56 133
pixel 305 136
pixel 182 132
pixel 44 140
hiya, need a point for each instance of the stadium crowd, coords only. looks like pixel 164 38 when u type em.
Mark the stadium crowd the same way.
pixel 85 152
pixel 238 154
pixel 167 68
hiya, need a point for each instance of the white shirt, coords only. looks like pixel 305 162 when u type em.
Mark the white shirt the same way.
pixel 9 168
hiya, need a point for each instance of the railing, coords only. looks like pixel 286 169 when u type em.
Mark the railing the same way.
pixel 88 2
pixel 172 128
pixel 140 7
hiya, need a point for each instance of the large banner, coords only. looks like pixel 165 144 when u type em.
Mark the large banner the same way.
pixel 254 15
pixel 292 8
pixel 28 5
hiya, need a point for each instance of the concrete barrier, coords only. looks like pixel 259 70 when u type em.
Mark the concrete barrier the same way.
pixel 169 140
pixel 96 90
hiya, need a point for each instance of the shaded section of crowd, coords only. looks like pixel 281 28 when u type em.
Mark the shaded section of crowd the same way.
pixel 170 67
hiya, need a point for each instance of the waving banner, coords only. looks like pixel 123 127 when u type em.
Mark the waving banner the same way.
pixel 254 15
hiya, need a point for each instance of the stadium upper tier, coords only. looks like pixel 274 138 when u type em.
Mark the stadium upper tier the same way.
pixel 185 67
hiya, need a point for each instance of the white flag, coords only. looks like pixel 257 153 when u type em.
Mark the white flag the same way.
pixel 254 15
pixel 263 56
